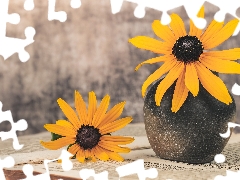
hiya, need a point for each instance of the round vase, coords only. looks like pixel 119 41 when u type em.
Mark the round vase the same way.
pixel 191 134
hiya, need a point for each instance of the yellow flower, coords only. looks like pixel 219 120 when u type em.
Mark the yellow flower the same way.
pixel 187 60
pixel 88 131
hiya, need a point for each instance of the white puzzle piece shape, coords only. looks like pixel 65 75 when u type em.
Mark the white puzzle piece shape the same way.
pixel 53 15
pixel 9 45
pixel 220 158
pixel 230 175
pixel 87 173
pixel 226 7
pixel 236 89
pixel 230 125
pixel 28 171
pixel 191 7
pixel 137 167
pixel 75 4
pixel 20 125
pixel 29 5
pixel 66 162
pixel 66 166
pixel 7 162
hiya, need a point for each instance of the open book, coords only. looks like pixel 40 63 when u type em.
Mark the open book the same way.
pixel 34 154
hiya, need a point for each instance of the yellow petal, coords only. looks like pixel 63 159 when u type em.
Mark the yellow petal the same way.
pixel 69 113
pixel 177 26
pixel 74 149
pixel 168 81
pixel 180 93
pixel 116 125
pixel 87 153
pixel 80 156
pixel 100 154
pixel 151 44
pixel 231 54
pixel 112 114
pixel 118 140
pixel 222 66
pixel 213 84
pixel 212 29
pixel 114 156
pixel 91 155
pixel 158 73
pixel 154 60
pixel 92 106
pixel 65 123
pixel 60 130
pixel 222 35
pixel 194 31
pixel 163 31
pixel 191 79
pixel 101 111
pixel 80 107
pixel 59 143
pixel 113 147
pixel 93 158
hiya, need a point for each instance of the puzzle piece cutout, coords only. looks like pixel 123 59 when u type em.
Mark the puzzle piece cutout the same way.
pixel 66 162
pixel 226 7
pixel 220 158
pixel 60 15
pixel 53 15
pixel 87 173
pixel 75 4
pixel 236 89
pixel 230 125
pixel 230 175
pixel 7 162
pixel 29 5
pixel 191 7
pixel 28 171
pixel 66 166
pixel 8 45
pixel 20 125
pixel 137 167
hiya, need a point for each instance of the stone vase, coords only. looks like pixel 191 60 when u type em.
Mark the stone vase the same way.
pixel 191 134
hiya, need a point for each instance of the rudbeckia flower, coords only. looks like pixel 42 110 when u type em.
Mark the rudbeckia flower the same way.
pixel 87 132
pixel 187 59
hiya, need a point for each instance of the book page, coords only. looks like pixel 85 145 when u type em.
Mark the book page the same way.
pixel 32 153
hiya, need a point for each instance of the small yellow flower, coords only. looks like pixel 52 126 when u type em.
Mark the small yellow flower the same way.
pixel 88 131
pixel 187 60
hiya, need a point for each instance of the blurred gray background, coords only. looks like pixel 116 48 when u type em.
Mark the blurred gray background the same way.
pixel 90 51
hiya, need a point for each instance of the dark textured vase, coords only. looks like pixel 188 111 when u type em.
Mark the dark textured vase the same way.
pixel 191 134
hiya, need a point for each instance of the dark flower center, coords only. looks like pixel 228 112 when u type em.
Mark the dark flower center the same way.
pixel 87 136
pixel 187 49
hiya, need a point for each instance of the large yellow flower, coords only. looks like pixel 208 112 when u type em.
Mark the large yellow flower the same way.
pixel 88 132
pixel 187 60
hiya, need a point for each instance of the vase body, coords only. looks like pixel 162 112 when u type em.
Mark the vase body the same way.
pixel 191 134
